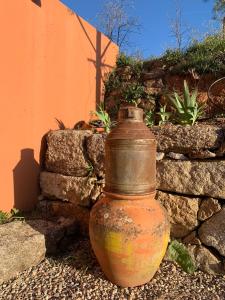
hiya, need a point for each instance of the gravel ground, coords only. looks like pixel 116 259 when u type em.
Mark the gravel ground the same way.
pixel 76 275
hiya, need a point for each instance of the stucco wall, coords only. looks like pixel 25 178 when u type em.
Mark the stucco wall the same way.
pixel 51 64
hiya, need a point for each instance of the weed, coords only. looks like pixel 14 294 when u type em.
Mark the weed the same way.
pixel 179 253
pixel 149 118
pixel 90 168
pixel 60 124
pixel 8 217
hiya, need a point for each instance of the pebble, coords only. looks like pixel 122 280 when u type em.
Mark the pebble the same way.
pixel 177 156
pixel 81 278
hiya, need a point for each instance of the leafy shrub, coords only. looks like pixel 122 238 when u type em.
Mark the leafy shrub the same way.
pixel 135 65
pixel 179 253
pixel 173 57
pixel 112 83
pixel 132 93
pixel 187 108
pixel 124 60
pixel 207 56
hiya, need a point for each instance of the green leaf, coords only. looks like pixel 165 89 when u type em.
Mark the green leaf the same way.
pixel 179 253
pixel 4 217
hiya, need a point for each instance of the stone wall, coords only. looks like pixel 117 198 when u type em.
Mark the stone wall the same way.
pixel 190 183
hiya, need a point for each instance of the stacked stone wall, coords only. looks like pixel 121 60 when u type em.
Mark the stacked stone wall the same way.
pixel 190 183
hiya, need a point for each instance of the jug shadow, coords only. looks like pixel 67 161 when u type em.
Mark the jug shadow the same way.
pixel 25 179
pixel 81 256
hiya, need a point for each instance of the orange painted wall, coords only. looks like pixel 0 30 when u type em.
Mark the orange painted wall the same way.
pixel 51 64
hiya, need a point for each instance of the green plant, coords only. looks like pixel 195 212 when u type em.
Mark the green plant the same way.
pixel 104 117
pixel 112 82
pixel 149 118
pixel 187 108
pixel 90 168
pixel 179 253
pixel 8 217
pixel 135 64
pixel 202 56
pixel 164 115
pixel 133 92
pixel 3 217
pixel 124 60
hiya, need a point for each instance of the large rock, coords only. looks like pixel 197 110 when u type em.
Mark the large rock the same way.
pixel 183 139
pixel 55 208
pixel 96 152
pixel 77 190
pixel 208 208
pixel 21 247
pixel 205 260
pixel 66 152
pixel 192 177
pixel 182 212
pixel 212 232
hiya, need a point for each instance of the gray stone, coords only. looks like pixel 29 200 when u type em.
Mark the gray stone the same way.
pixel 182 212
pixel 183 139
pixel 208 208
pixel 205 260
pixel 159 155
pixel 21 247
pixel 192 177
pixel 77 190
pixel 212 232
pixel 201 154
pixel 66 153
pixel 177 156
pixel 96 152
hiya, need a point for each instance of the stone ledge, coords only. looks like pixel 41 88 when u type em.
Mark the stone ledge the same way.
pixel 192 177
pixel 66 152
pixel 78 190
pixel 185 139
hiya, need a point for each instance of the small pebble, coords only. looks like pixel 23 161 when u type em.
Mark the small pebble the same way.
pixel 81 278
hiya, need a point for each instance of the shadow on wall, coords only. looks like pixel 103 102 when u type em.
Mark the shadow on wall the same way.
pixel 99 59
pixel 25 178
pixel 37 2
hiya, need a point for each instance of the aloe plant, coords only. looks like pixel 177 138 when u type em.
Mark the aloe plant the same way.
pixel 164 115
pixel 187 108
pixel 104 117
pixel 179 253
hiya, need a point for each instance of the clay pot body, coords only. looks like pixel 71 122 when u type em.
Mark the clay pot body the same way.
pixel 129 230
pixel 129 238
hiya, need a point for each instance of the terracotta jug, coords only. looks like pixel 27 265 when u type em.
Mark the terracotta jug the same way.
pixel 129 230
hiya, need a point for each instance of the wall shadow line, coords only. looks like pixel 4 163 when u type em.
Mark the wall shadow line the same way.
pixel 37 2
pixel 98 61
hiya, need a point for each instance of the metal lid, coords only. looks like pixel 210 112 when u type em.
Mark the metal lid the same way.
pixel 131 126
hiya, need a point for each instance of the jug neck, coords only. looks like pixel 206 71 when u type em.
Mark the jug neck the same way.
pixel 130 113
